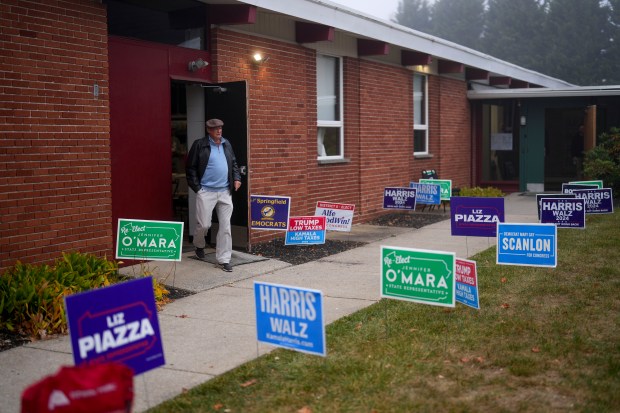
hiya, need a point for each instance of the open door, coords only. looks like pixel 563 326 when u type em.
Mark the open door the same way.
pixel 228 102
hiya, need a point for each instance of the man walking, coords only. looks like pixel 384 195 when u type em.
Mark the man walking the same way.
pixel 212 172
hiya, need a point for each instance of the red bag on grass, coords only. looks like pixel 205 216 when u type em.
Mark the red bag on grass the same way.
pixel 102 388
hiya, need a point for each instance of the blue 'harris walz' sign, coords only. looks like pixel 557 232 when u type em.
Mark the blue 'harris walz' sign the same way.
pixel 527 244
pixel 290 317
pixel 116 324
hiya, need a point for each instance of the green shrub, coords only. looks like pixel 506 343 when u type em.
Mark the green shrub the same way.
pixel 481 192
pixel 603 161
pixel 32 296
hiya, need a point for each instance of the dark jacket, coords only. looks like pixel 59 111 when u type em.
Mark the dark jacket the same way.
pixel 198 158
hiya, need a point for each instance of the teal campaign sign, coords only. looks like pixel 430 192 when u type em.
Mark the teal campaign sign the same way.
pixel 149 240
pixel 597 183
pixel 444 184
pixel 527 244
pixel 417 275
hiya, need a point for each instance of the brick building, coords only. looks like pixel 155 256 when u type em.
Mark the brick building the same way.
pixel 96 93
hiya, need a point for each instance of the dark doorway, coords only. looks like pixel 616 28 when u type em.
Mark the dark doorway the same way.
pixel 228 102
pixel 564 144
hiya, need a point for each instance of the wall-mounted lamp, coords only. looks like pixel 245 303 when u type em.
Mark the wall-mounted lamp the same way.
pixel 197 64
pixel 258 58
pixel 523 121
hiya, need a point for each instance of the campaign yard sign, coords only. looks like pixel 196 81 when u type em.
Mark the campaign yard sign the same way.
pixel 565 213
pixel 539 198
pixel 570 188
pixel 339 216
pixel 476 216
pixel 427 194
pixel 598 201
pixel 444 184
pixel 417 275
pixel 527 244
pixel 399 198
pixel 116 324
pixel 597 183
pixel 149 240
pixel 290 317
pixel 467 283
pixel 306 230
pixel 269 213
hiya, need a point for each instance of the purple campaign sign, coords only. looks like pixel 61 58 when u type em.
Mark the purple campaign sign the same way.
pixel 269 212
pixel 539 198
pixel 116 324
pixel 598 201
pixel 476 217
pixel 399 198
pixel 564 213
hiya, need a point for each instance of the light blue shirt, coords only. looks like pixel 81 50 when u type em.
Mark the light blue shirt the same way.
pixel 215 178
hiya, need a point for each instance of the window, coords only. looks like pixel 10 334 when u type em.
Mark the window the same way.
pixel 420 115
pixel 330 141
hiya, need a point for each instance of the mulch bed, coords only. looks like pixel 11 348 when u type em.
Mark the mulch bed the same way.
pixel 301 254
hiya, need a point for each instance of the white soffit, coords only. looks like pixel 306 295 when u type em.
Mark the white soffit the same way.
pixel 363 25
pixel 575 91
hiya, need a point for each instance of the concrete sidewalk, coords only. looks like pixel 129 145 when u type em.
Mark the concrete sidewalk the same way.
pixel 213 331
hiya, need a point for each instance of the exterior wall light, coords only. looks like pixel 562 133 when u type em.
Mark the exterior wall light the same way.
pixel 197 64
pixel 258 58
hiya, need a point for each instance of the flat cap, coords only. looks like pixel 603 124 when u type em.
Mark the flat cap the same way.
pixel 214 123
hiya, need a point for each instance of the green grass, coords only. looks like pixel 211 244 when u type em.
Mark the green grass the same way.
pixel 544 340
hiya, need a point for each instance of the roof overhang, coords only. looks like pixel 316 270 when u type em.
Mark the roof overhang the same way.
pixel 575 91
pixel 369 27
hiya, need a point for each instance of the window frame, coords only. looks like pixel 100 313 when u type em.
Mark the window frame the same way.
pixel 418 126
pixel 340 102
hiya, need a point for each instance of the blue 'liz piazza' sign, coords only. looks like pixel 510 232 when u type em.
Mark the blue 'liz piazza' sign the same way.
pixel 476 216
pixel 116 324
pixel 527 244
pixel 290 317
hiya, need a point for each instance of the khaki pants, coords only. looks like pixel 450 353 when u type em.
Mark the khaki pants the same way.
pixel 206 202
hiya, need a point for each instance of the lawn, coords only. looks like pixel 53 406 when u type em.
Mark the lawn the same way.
pixel 544 340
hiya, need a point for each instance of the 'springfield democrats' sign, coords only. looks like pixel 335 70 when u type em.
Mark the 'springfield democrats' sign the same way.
pixel 476 217
pixel 269 213
pixel 527 244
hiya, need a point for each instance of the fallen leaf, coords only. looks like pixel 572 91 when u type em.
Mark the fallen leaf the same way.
pixel 184 390
pixel 358 326
pixel 479 359
pixel 535 350
pixel 218 406
pixel 504 279
pixel 305 409
pixel 183 316
pixel 249 383
pixel 464 360
pixel 505 305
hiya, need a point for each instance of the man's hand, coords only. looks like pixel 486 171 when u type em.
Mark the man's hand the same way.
pixel 237 185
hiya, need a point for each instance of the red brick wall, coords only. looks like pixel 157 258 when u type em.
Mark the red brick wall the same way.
pixel 54 134
pixel 378 123
pixel 454 133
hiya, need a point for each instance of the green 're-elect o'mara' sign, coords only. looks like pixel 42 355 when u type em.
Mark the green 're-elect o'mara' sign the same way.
pixel 421 276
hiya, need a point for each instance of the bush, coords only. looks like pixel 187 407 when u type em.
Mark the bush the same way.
pixel 32 296
pixel 603 161
pixel 481 192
